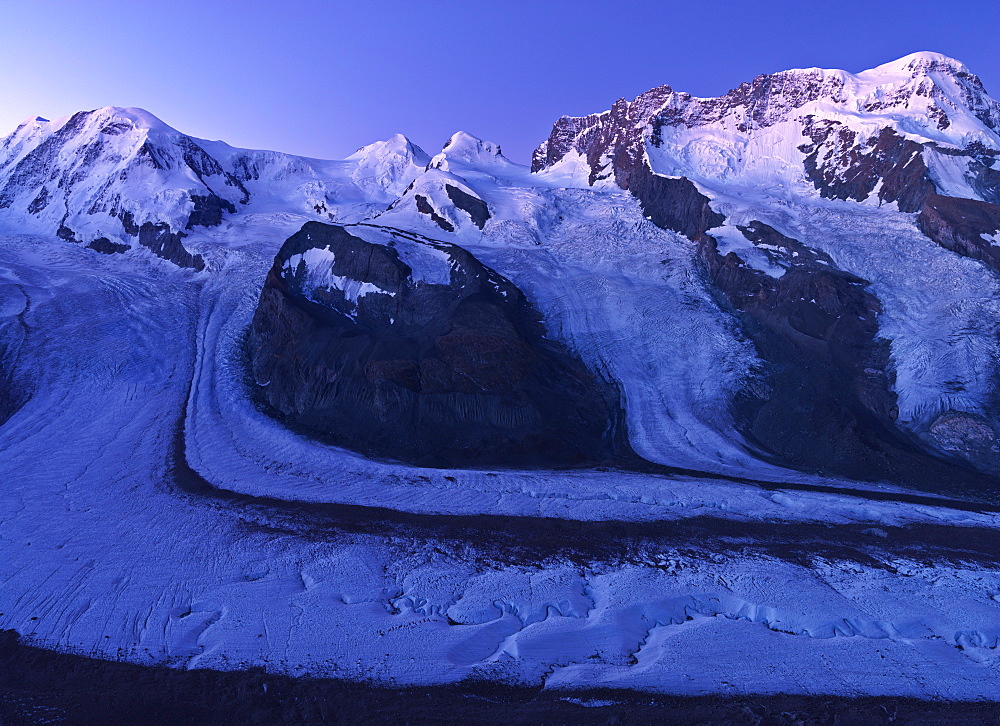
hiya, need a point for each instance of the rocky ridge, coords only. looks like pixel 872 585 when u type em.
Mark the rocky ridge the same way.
pixel 402 347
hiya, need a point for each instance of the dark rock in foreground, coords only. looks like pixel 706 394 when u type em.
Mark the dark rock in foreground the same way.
pixel 40 686
pixel 411 349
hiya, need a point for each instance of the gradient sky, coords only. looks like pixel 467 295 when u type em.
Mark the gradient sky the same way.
pixel 322 78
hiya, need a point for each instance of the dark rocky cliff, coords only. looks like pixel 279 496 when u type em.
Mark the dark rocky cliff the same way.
pixel 350 343
pixel 824 402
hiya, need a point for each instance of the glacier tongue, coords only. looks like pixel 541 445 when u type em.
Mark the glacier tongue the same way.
pixel 140 564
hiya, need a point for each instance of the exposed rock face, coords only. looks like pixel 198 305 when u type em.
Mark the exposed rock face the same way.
pixel 11 397
pixel 825 402
pixel 673 203
pixel 13 391
pixel 208 210
pixel 844 165
pixel 410 349
pixel 857 163
pixel 425 207
pixel 962 226
pixel 475 207
pixel 968 436
pixel 600 137
pixel 159 239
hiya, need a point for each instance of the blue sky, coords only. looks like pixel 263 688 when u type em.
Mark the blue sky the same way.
pixel 322 78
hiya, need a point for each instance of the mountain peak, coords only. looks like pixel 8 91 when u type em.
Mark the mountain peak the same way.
pixel 120 117
pixel 395 145
pixel 922 62
pixel 388 166
pixel 817 117
pixel 465 145
pixel 465 148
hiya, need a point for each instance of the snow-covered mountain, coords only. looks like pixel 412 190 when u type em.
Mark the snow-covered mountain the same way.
pixel 114 177
pixel 918 136
pixel 750 182
pixel 814 209
pixel 705 399
pixel 877 136
pixel 904 134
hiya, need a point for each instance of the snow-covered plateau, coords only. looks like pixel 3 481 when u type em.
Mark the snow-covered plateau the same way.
pixel 760 331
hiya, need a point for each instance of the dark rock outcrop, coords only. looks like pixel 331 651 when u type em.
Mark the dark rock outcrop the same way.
pixel 843 166
pixel 208 210
pixel 475 207
pixel 616 135
pixel 14 391
pixel 353 343
pixel 106 246
pixel 425 207
pixel 959 225
pixel 674 204
pixel 825 401
pixel 65 233
pixel 162 241
pixel 12 397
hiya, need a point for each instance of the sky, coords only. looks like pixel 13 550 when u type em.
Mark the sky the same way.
pixel 323 78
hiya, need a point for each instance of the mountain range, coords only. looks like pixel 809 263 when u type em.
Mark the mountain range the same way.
pixel 802 197
pixel 426 417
